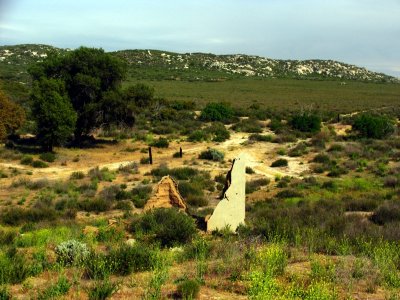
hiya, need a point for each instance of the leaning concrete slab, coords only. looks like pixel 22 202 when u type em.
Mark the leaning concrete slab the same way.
pixel 230 211
pixel 167 195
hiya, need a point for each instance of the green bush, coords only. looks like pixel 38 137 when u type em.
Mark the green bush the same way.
pixel 184 173
pixel 98 266
pixel 128 259
pixel 218 132
pixel 96 205
pixel 77 175
pixel 14 269
pixel 17 215
pixel 39 164
pixel 198 136
pixel 48 156
pixel 196 200
pixel 160 143
pixel 280 163
pixel 217 111
pixel 140 195
pixel 288 194
pixel 248 125
pixel 373 126
pixel 254 185
pixel 168 226
pixel 212 154
pixel 57 290
pixel 26 160
pixel 188 289
pixel 260 138
pixel 322 159
pixel 306 122
pixel 4 293
pixel 102 290
pixel 101 175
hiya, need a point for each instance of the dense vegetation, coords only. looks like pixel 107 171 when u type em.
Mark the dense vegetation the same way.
pixel 322 190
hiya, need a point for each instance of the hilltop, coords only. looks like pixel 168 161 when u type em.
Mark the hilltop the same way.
pixel 161 65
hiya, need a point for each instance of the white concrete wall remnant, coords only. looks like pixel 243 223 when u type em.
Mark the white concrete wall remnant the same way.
pixel 230 211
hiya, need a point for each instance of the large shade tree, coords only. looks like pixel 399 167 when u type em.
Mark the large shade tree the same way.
pixel 91 78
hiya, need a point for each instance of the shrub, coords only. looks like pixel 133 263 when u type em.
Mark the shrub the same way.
pixel 249 170
pixel 60 288
pixel 322 159
pixel 306 122
pixel 276 125
pixel 386 213
pixel 39 164
pixel 4 293
pixel 249 125
pixel 130 168
pixel 160 143
pixel 96 205
pixel 48 156
pixel 169 226
pixel 141 194
pixel 260 138
pixel 17 215
pixel 254 185
pixel 273 259
pixel 391 182
pixel 188 289
pixel 196 200
pixel 128 259
pixel 184 173
pixel 110 193
pixel 102 290
pixel 145 160
pixel 212 154
pixel 217 111
pixel 14 269
pixel 371 126
pixel 97 266
pixel 77 175
pixel 26 160
pixel 218 132
pixel 71 252
pixel 198 136
pixel 101 175
pixel 280 163
pixel 288 194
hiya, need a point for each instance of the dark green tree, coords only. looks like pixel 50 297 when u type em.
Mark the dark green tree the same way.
pixel 55 117
pixel 91 78
pixel 140 95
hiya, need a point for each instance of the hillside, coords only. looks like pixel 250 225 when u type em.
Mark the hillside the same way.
pixel 159 65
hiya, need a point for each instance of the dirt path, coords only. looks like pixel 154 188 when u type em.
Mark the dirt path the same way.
pixel 259 155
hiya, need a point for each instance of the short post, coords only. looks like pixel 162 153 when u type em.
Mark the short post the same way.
pixel 150 157
pixel 180 152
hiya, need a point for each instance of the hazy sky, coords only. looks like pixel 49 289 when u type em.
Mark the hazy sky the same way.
pixel 361 32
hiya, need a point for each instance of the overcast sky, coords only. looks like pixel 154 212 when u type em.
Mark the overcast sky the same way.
pixel 361 32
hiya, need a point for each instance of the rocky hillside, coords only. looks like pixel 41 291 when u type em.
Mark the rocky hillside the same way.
pixel 154 64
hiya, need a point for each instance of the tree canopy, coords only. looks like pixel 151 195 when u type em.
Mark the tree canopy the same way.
pixel 12 116
pixel 91 79
pixel 55 117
